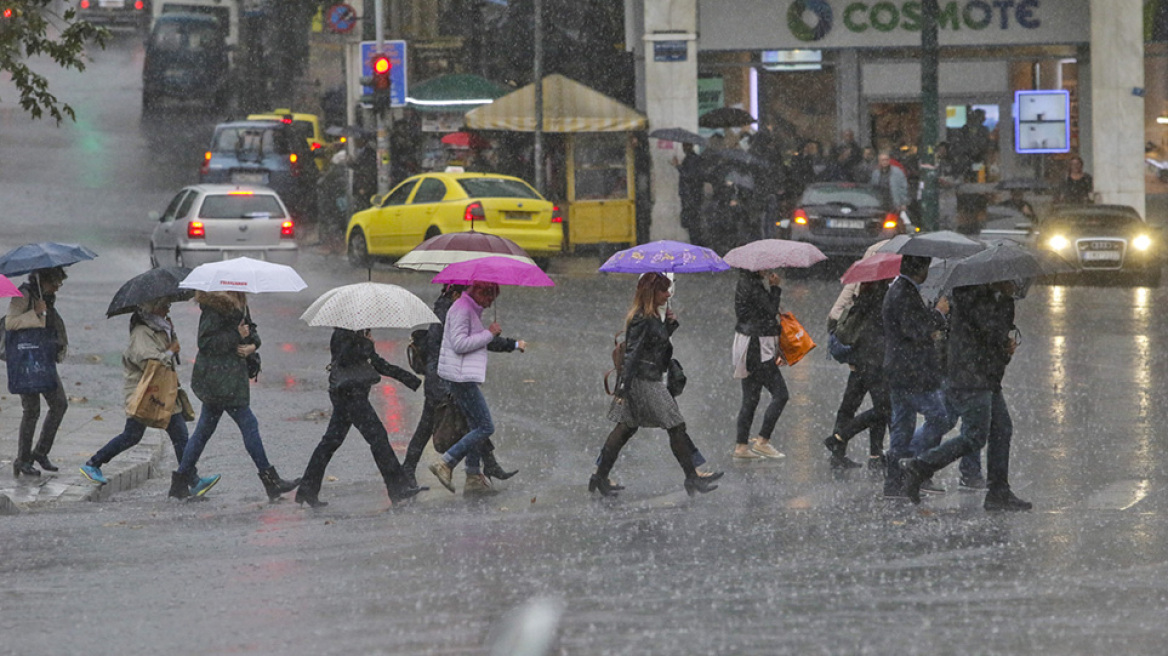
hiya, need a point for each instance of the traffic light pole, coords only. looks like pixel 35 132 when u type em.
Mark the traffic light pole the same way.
pixel 383 122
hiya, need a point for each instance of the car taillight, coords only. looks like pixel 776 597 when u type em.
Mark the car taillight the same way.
pixel 474 212
pixel 891 221
pixel 557 216
pixel 316 145
pixel 195 230
pixel 206 167
pixel 294 164
pixel 287 230
pixel 800 217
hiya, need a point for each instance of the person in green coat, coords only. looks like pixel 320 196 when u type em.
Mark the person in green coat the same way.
pixel 227 336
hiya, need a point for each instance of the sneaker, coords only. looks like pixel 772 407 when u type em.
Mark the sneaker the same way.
pixel 443 473
pixel 765 450
pixel 914 478
pixel 931 487
pixel 972 483
pixel 747 454
pixel 94 474
pixel 204 485
pixel 996 501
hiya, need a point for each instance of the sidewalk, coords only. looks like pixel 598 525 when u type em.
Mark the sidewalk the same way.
pixel 85 429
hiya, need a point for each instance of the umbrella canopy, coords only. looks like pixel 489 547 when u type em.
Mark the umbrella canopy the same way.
pixel 1002 260
pixel 244 274
pixel 665 257
pixel 368 305
pixel 150 286
pixel 436 253
pixel 726 117
pixel 454 93
pixel 943 244
pixel 774 254
pixel 496 269
pixel 879 266
pixel 568 106
pixel 679 135
pixel 42 255
pixel 8 288
pixel 466 140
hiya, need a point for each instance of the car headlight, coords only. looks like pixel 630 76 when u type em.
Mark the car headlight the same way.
pixel 1142 243
pixel 1058 243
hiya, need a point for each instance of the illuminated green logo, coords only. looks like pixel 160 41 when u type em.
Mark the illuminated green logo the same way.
pixel 797 22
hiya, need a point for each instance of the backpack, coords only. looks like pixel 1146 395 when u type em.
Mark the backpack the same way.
pixel 416 350
pixel 847 329
pixel 618 361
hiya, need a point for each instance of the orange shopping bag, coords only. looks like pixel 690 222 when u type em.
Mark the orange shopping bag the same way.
pixel 794 341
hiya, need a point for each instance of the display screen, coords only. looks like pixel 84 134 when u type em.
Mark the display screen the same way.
pixel 1042 122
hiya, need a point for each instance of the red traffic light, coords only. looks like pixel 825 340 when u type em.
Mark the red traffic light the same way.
pixel 381 64
pixel 381 68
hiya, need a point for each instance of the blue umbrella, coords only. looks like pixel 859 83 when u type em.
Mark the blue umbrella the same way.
pixel 665 257
pixel 42 255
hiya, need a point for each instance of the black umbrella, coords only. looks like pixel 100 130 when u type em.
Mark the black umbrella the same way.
pixel 1002 260
pixel 726 117
pixel 151 286
pixel 42 255
pixel 679 135
pixel 943 244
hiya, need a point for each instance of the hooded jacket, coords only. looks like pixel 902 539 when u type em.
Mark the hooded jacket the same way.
pixel 220 375
pixel 463 357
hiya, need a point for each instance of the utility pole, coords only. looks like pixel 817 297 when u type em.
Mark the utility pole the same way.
pixel 379 108
pixel 927 149
pixel 537 153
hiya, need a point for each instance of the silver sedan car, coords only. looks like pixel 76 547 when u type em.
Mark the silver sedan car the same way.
pixel 209 222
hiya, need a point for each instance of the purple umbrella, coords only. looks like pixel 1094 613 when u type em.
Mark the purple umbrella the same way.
pixel 496 269
pixel 665 257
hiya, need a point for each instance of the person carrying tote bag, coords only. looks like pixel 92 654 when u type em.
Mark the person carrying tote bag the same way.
pixel 35 342
pixel 153 344
pixel 755 356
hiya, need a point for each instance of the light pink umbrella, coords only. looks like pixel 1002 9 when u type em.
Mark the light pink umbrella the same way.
pixel 8 288
pixel 496 269
pixel 774 254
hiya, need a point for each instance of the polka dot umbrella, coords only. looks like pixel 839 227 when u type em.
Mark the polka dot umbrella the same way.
pixel 368 305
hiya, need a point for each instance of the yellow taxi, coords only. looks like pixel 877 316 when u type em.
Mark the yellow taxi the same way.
pixel 432 204
pixel 306 126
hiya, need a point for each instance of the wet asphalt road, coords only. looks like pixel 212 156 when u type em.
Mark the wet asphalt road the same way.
pixel 785 557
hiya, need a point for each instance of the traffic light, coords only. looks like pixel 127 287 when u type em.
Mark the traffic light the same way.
pixel 381 70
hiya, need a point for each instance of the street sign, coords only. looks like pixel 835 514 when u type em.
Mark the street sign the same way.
pixel 397 75
pixel 341 18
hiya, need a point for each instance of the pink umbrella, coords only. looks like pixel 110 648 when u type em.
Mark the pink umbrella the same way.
pixel 880 266
pixel 774 254
pixel 8 288
pixel 496 269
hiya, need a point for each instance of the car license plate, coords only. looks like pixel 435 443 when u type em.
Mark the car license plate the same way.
pixel 519 216
pixel 250 178
pixel 112 4
pixel 846 224
pixel 1101 255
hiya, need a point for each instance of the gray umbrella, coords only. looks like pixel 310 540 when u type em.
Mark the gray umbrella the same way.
pixel 680 135
pixel 1002 260
pixel 944 244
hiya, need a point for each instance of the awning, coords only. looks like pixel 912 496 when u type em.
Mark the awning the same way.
pixel 568 106
pixel 454 93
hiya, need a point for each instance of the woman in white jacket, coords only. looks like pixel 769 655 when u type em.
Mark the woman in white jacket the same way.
pixel 463 363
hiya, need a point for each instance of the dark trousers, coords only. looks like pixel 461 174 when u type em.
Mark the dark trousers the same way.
pixel 31 404
pixel 132 434
pixel 864 381
pixel 679 443
pixel 768 375
pixel 985 419
pixel 353 409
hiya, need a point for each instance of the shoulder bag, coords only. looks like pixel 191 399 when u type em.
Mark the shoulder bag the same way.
pixel 361 374
pixel 675 379
pixel 152 402
pixel 32 360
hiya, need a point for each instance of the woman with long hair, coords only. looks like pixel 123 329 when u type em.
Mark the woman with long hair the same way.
pixel 642 398
pixel 227 336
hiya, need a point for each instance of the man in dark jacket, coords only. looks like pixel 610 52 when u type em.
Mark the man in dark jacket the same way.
pixel 980 347
pixel 912 368
pixel 691 179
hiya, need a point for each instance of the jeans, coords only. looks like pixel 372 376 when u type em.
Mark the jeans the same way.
pixel 970 466
pixel 769 376
pixel 984 419
pixel 870 381
pixel 425 430
pixel 901 440
pixel 353 409
pixel 470 400
pixel 209 416
pixel 132 434
pixel 31 404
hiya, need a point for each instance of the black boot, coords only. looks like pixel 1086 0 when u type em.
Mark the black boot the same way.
pixel 303 496
pixel 24 469
pixel 492 468
pixel 43 461
pixel 696 484
pixel 274 485
pixel 602 485
pixel 180 486
pixel 838 449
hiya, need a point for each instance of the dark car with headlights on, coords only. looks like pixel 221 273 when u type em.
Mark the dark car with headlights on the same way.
pixel 843 219
pixel 1104 241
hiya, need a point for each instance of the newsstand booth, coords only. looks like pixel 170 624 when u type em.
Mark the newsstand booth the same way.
pixel 599 182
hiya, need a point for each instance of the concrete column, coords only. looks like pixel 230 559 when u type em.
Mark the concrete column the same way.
pixel 671 100
pixel 847 93
pixel 1117 115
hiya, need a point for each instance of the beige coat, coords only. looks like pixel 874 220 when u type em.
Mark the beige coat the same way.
pixel 22 315
pixel 847 295
pixel 145 344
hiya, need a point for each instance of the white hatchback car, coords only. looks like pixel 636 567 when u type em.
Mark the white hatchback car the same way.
pixel 209 222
